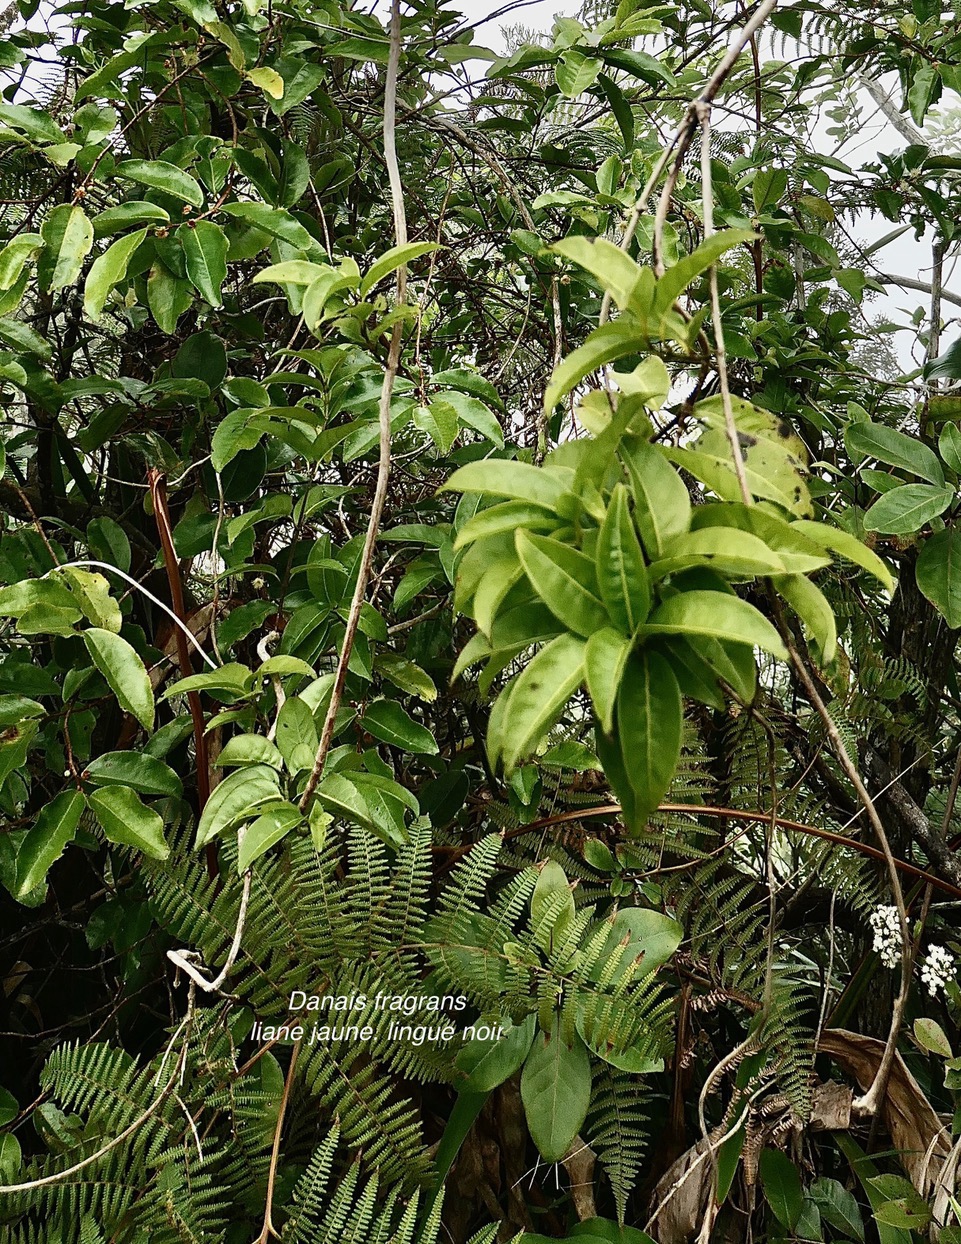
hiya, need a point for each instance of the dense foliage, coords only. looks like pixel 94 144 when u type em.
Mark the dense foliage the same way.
pixel 479 713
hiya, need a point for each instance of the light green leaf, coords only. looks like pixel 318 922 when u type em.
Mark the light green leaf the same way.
pixel 141 772
pixel 272 220
pixel 291 272
pixel 725 550
pixel 108 270
pixel 231 681
pixel 907 509
pixel 250 749
pixel 124 671
pixel 24 339
pixel 168 297
pixel 621 572
pixel 556 1092
pixel 387 721
pixel 502 477
pixel 508 516
pixel 125 819
pixel 604 660
pixel 15 255
pixel 68 236
pixel 164 176
pixel 938 574
pixel 564 579
pixel 847 546
pixel 649 727
pixel 473 413
pixel 604 345
pixel 205 249
pixel 612 267
pixel 43 844
pixel 575 72
pixel 539 694
pixel 814 609
pixel 297 734
pixel 662 506
pixel 393 259
pixel 678 277
pixel 269 828
pixel 269 81
pixel 718 615
pixel 36 123
pixel 949 446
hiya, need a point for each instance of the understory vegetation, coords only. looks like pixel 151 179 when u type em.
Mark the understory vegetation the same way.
pixel 480 579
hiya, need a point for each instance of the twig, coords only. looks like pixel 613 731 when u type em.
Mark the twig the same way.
pixel 387 388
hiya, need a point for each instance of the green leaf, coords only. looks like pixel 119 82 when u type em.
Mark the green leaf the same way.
pixel 107 271
pixel 905 510
pixel 126 820
pixel 949 446
pixel 604 660
pixel 604 345
pixel 141 772
pixel 44 843
pixel 474 414
pixel 486 1064
pixel 124 671
pixel 814 609
pixel 393 259
pixel 36 123
pixel 875 440
pixel 237 798
pixel 269 828
pixel 621 572
pixel 931 1036
pixel 68 235
pixel 297 734
pixel 161 175
pixel 925 88
pixel 387 721
pixel 205 249
pixel 539 694
pixel 15 255
pixel 678 277
pixel 845 545
pixel 782 1187
pixel 556 1092
pixel 135 212
pixel 22 338
pixel 718 615
pixel 168 297
pixel 291 272
pixel 726 550
pixel 272 220
pixel 564 579
pixel 230 682
pixel 839 1208
pixel 638 942
pixel 575 72
pixel 552 906
pixel 938 574
pixel 662 506
pixel 250 749
pixel 650 724
pixel 613 268
pixel 502 477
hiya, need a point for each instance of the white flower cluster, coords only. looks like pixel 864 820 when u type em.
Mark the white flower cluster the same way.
pixel 937 969
pixel 887 935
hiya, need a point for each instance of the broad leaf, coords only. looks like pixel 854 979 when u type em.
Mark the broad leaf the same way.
pixel 162 175
pixel 564 579
pixel 938 574
pixel 649 729
pixel 556 1092
pixel 124 671
pixel 907 509
pixel 44 842
pixel 126 820
pixel 621 572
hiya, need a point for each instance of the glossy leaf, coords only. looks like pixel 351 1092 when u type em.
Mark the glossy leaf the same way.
pixel 124 671
pixel 126 820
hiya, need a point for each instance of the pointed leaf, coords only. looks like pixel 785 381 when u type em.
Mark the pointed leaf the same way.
pixel 43 844
pixel 161 175
pixel 718 615
pixel 649 728
pixel 108 270
pixel 125 819
pixel 938 574
pixel 68 235
pixel 621 572
pixel 539 693
pixel 564 579
pixel 907 509
pixel 604 660
pixel 556 1092
pixel 205 249
pixel 124 671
